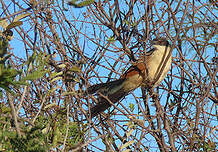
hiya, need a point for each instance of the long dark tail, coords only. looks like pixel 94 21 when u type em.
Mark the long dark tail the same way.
pixel 112 91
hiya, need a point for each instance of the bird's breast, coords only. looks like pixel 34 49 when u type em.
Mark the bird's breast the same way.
pixel 159 64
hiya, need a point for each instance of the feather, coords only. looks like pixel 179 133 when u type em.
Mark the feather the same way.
pixel 108 92
pixel 148 71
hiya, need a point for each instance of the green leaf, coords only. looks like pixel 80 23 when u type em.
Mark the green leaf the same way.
pixel 78 4
pixel 3 23
pixel 54 74
pixel 52 90
pixel 3 48
pixel 34 75
pixel 50 105
pixel 127 150
pixel 5 109
pixel 21 16
pixel 85 3
pixel 1 94
pixel 111 39
pixel 129 124
pixel 62 65
pixel 46 129
pixel 55 79
pixel 132 107
pixel 129 133
pixel 76 79
pixel 75 68
pixel 57 137
pixel 14 24
pixel 127 144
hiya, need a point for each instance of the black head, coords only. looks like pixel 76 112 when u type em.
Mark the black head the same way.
pixel 160 41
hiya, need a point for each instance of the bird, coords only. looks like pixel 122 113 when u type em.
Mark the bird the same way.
pixel 147 71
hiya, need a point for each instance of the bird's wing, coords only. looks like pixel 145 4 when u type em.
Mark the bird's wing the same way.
pixel 138 68
pixel 102 86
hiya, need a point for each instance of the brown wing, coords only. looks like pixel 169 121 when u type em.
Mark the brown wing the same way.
pixel 139 68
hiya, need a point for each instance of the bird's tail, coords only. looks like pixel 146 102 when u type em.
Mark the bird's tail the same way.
pixel 108 92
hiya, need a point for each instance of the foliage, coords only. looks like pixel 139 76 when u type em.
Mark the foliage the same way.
pixel 43 135
pixel 79 4
pixel 7 73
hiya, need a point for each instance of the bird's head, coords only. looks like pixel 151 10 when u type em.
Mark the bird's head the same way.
pixel 162 41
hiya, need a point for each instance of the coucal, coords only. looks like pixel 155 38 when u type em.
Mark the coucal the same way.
pixel 148 71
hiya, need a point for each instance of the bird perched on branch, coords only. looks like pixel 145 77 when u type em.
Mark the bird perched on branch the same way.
pixel 149 71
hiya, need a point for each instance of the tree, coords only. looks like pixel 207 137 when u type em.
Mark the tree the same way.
pixel 63 51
